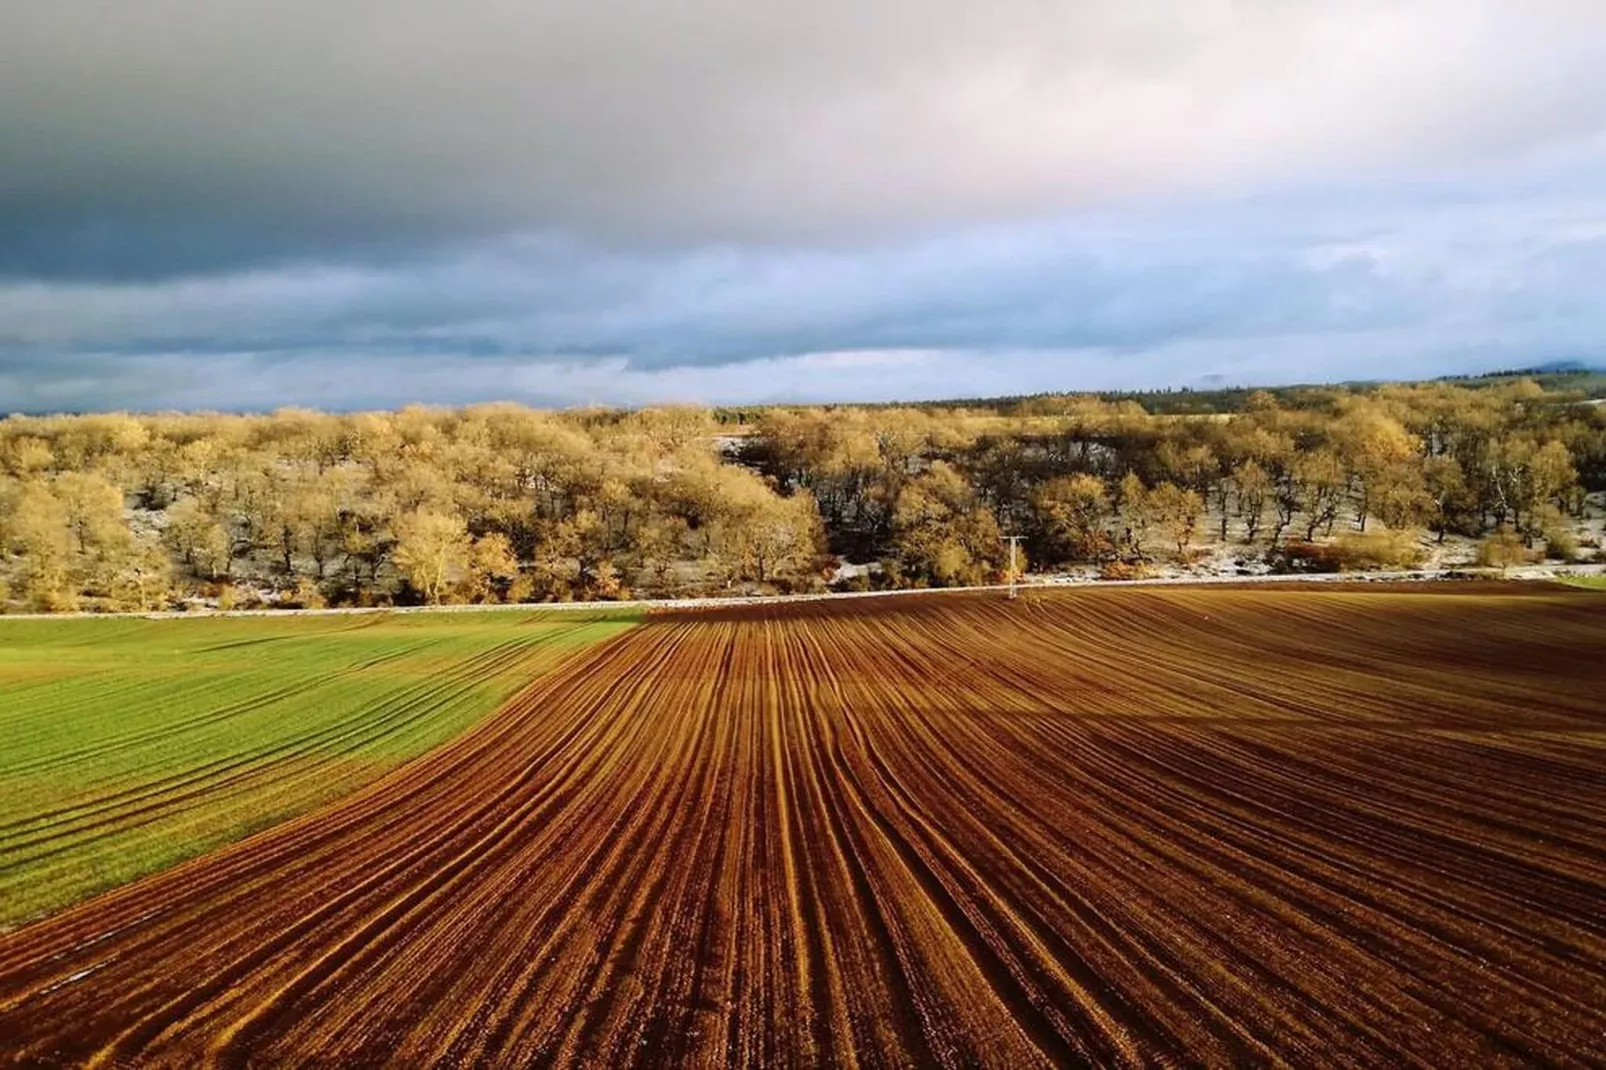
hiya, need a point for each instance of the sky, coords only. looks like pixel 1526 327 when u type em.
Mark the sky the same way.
pixel 349 203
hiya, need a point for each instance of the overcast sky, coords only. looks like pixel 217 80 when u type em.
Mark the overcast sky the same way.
pixel 353 203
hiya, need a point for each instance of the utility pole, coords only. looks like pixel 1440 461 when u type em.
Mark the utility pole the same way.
pixel 1014 540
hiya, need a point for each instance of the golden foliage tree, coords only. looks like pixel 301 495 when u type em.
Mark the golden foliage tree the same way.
pixel 432 549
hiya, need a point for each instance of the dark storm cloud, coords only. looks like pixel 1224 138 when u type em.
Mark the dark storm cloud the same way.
pixel 163 244
pixel 187 136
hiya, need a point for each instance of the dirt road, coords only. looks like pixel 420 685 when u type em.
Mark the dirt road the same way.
pixel 1205 825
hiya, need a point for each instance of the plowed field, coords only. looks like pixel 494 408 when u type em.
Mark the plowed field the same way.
pixel 1110 826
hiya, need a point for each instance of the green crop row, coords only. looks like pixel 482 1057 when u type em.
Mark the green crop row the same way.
pixel 131 745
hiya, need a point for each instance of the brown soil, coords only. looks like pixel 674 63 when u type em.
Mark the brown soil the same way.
pixel 1155 825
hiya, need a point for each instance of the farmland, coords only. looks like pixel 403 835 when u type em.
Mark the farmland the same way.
pixel 131 744
pixel 1111 826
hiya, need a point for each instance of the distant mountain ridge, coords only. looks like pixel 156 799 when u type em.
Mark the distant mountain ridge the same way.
pixel 1549 367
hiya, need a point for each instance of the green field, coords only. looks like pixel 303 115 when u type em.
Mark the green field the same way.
pixel 132 744
pixel 1597 582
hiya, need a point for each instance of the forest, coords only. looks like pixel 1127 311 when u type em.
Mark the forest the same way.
pixel 501 503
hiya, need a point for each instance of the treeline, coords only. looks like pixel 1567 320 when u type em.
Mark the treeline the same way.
pixel 500 503
pixel 1566 382
pixel 1090 481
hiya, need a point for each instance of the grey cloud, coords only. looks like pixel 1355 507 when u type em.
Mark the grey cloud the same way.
pixel 339 380
pixel 183 136
pixel 702 308
pixel 1309 288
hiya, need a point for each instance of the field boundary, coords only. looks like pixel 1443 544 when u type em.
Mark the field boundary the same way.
pixel 142 744
pixel 624 605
